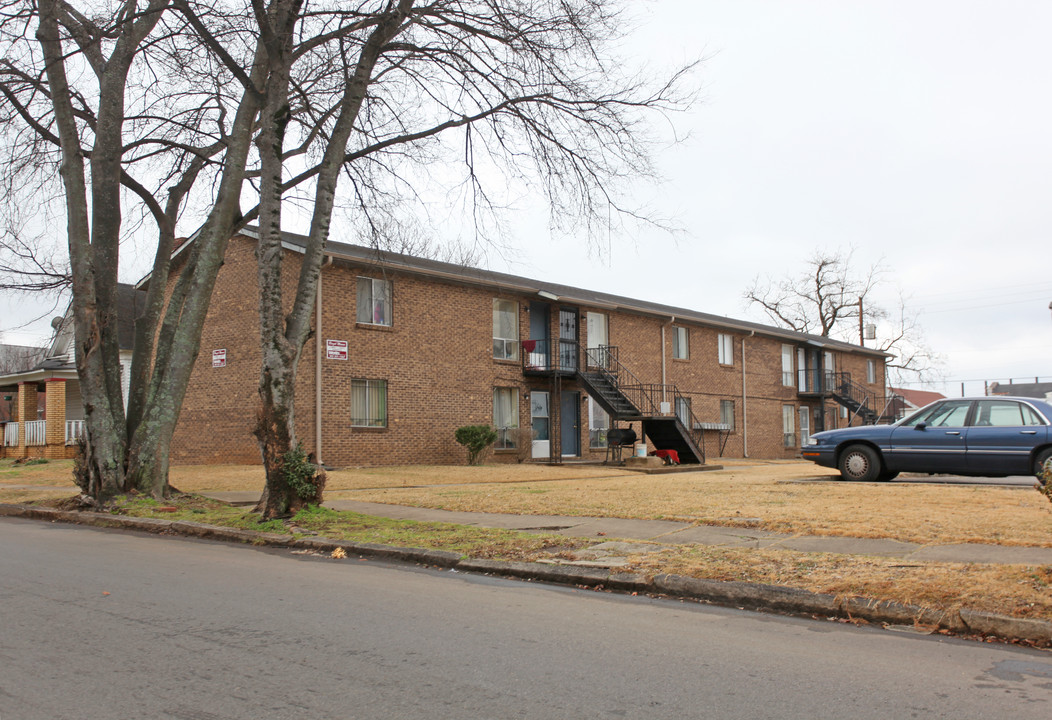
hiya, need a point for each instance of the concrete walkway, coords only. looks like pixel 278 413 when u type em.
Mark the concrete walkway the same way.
pixel 676 533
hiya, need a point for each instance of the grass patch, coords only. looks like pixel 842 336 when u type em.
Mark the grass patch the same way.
pixel 37 471
pixel 768 497
pixel 462 539
pixel 1017 590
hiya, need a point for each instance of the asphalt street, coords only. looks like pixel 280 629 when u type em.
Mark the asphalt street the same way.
pixel 103 624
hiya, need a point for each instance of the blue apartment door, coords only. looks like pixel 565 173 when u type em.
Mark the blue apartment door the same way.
pixel 570 424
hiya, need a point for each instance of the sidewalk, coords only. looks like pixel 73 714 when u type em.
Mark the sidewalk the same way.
pixel 676 533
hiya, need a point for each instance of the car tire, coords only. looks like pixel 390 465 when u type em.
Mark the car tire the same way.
pixel 1039 462
pixel 859 463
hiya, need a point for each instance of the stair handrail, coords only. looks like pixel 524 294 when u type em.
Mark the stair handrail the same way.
pixel 605 356
pixel 696 433
pixel 848 388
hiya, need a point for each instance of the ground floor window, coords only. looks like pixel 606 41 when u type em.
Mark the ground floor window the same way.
pixel 368 403
pixel 727 413
pixel 505 416
pixel 598 424
pixel 683 410
pixel 788 426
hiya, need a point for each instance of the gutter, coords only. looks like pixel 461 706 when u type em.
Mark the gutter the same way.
pixel 317 363
pixel 745 406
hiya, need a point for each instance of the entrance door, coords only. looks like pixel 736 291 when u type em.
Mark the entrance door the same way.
pixel 541 423
pixel 568 339
pixel 570 424
pixel 538 349
pixel 805 425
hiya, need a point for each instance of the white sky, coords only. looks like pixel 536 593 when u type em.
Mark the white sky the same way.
pixel 918 132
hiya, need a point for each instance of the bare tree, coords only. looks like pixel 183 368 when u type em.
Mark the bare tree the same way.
pixel 98 97
pixel 832 297
pixel 150 108
pixel 382 94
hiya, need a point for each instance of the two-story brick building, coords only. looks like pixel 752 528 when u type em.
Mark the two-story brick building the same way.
pixel 405 350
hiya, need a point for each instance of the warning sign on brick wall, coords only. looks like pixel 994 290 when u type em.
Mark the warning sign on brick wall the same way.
pixel 219 358
pixel 336 349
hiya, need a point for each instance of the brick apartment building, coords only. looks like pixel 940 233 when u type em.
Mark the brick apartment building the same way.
pixel 405 350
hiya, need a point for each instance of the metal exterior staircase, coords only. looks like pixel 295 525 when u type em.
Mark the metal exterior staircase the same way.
pixel 852 396
pixel 625 398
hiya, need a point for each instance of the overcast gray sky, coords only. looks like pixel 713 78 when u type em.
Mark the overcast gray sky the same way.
pixel 916 132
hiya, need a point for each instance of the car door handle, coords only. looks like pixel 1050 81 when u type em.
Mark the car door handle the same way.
pixel 952 432
pixel 1028 432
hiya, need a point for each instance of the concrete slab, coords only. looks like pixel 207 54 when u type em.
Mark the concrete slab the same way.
pixel 970 552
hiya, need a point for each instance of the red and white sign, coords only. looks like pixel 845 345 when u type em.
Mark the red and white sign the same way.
pixel 336 349
pixel 219 358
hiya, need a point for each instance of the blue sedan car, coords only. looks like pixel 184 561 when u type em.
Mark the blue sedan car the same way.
pixel 986 436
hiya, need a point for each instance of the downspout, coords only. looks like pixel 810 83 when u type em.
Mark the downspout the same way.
pixel 664 376
pixel 745 406
pixel 317 364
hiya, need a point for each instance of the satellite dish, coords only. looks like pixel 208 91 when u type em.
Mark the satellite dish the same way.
pixel 56 322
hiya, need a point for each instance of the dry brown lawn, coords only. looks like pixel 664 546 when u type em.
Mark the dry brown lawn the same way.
pixel 776 495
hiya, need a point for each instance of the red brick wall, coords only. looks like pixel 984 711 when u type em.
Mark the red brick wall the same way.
pixel 437 359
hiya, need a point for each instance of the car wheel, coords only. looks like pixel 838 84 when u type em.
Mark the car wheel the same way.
pixel 1039 462
pixel 860 463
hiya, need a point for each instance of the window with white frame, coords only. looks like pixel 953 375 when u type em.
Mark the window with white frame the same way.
pixel 726 349
pixel 374 301
pixel 598 424
pixel 680 343
pixel 505 329
pixel 505 416
pixel 727 413
pixel 368 403
pixel 788 426
pixel 598 339
pixel 871 371
pixel 788 377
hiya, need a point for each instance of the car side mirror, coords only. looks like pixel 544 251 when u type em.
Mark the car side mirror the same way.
pixel 920 426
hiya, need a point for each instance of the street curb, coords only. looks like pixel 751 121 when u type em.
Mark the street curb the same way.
pixel 748 596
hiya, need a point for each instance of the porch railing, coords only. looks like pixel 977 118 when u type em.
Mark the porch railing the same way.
pixel 74 431
pixel 546 355
pixel 11 434
pixel 36 432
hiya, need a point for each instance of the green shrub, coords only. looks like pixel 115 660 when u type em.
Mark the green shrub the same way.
pixel 476 438
pixel 1044 484
pixel 302 475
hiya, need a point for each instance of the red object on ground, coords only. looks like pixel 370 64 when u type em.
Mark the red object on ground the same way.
pixel 670 456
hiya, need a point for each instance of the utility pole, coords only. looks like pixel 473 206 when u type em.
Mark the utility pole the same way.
pixel 861 331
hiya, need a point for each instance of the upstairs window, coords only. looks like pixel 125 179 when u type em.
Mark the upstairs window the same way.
pixel 505 329
pixel 680 343
pixel 726 349
pixel 788 378
pixel 871 371
pixel 374 301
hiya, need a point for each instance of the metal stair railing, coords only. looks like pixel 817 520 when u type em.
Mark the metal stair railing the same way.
pixel 605 361
pixel 694 430
pixel 852 395
pixel 644 396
